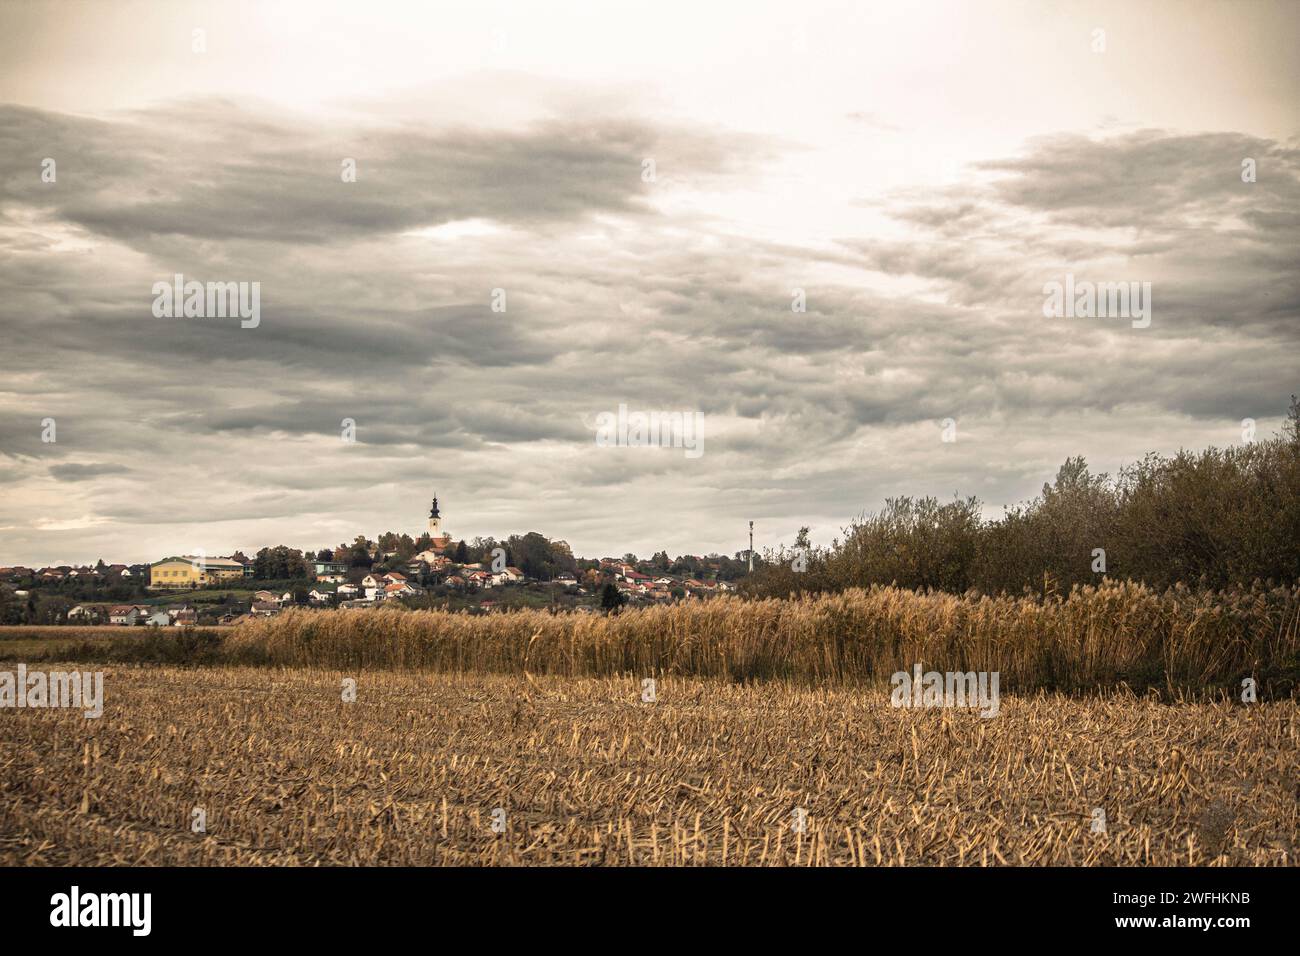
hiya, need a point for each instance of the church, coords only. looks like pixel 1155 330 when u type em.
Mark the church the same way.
pixel 439 540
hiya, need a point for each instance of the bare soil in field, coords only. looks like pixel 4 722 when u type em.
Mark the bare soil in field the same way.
pixel 582 771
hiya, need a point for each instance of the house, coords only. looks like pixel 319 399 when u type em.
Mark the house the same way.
pixel 265 597
pixel 188 571
pixel 347 590
pixel 317 596
pixel 330 567
pixel 158 619
pixel 264 609
pixel 568 580
pixel 185 617
pixel 370 581
pixel 331 578
pixel 396 589
pixel 126 614
pixel 394 577
pixel 86 613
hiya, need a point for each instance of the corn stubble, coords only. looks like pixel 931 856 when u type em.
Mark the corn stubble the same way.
pixel 587 773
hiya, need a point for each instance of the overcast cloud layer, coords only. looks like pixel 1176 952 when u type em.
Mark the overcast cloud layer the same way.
pixel 923 262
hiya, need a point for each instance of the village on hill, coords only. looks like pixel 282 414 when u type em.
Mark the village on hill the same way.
pixel 432 570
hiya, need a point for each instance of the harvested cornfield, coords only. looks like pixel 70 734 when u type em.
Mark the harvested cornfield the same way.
pixel 449 769
pixel 1097 637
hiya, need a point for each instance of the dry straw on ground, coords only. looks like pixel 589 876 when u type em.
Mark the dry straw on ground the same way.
pixel 711 773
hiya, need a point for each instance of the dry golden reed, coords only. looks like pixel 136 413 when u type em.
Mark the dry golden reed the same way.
pixel 1095 637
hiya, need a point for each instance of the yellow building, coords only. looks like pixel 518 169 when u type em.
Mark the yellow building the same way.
pixel 192 572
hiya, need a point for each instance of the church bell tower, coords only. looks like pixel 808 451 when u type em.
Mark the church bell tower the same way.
pixel 435 522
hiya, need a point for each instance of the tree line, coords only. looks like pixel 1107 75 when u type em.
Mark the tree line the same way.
pixel 1210 519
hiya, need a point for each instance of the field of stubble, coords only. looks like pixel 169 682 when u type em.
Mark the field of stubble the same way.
pixel 586 773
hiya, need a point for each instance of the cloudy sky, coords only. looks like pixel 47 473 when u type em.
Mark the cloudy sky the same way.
pixel 919 170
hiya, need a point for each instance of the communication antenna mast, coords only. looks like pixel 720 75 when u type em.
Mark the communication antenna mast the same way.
pixel 751 547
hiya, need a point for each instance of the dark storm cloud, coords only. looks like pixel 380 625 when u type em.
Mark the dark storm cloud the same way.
pixel 75 472
pixel 212 170
pixel 1150 180
pixel 1171 209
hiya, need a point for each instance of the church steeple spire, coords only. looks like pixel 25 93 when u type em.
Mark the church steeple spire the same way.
pixel 435 519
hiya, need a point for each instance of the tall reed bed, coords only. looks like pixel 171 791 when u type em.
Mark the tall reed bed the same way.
pixel 1095 637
